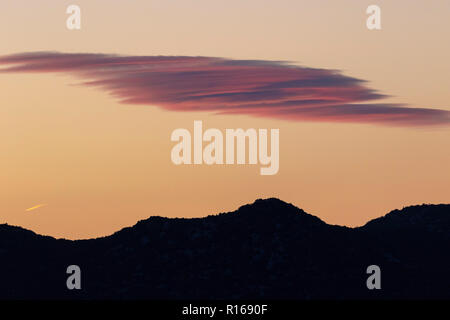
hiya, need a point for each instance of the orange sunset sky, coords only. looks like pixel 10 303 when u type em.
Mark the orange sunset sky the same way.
pixel 92 165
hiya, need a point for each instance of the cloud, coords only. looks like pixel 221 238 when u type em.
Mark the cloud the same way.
pixel 252 87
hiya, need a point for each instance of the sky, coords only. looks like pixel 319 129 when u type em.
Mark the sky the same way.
pixel 86 115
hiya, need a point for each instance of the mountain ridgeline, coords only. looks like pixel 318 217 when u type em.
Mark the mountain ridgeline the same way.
pixel 266 250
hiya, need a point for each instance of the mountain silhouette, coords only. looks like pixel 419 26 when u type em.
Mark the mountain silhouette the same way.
pixel 266 250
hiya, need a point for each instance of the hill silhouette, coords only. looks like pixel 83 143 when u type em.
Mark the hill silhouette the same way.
pixel 266 250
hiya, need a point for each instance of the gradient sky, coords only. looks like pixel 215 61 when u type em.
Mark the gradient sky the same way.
pixel 90 165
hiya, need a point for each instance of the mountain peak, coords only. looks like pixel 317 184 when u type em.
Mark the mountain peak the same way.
pixel 275 210
pixel 417 220
pixel 272 205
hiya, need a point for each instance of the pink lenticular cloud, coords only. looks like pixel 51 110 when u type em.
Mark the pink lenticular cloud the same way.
pixel 251 87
